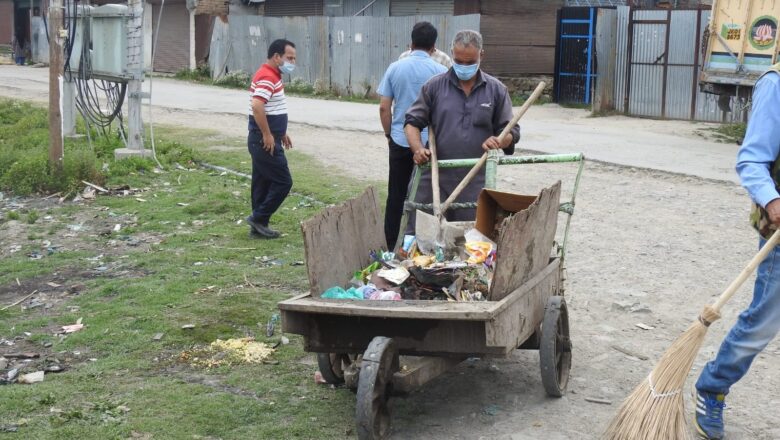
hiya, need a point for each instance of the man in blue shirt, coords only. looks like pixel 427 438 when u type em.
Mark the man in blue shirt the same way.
pixel 399 89
pixel 758 165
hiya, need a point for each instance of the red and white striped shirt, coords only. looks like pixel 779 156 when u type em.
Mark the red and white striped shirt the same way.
pixel 267 86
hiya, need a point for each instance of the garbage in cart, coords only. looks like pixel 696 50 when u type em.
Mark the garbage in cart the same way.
pixel 411 274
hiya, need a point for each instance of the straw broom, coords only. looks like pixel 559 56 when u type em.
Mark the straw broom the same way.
pixel 655 410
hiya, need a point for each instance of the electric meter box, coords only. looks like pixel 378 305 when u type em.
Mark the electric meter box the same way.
pixel 109 41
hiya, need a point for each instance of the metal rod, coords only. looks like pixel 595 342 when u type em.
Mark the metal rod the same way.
pixel 590 55
pixel 568 220
pixel 405 217
pixel 491 169
pixel 364 8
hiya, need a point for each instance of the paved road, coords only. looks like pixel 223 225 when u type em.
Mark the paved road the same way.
pixel 673 146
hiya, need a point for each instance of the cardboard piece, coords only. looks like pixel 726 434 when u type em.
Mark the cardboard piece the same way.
pixel 494 206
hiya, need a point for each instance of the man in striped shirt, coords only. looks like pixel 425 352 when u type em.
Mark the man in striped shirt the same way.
pixel 267 139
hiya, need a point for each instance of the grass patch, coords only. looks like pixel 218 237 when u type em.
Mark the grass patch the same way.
pixel 24 163
pixel 731 133
pixel 191 264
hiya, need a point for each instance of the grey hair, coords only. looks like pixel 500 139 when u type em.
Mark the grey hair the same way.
pixel 468 38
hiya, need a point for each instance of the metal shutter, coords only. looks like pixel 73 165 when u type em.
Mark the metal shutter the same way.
pixel 7 16
pixel 420 7
pixel 284 8
pixel 173 44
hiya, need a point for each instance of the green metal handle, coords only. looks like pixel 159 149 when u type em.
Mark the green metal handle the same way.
pixel 566 207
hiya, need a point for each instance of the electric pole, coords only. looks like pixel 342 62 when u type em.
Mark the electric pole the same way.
pixel 55 76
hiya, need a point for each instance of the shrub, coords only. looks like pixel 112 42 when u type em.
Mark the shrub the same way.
pixel 236 79
pixel 173 152
pixel 298 85
pixel 200 73
pixel 28 175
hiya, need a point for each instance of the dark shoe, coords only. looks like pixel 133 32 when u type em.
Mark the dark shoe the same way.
pixel 262 230
pixel 709 415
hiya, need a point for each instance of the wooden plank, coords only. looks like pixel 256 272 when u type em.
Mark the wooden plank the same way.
pixel 512 30
pixel 515 324
pixel 338 239
pixel 412 309
pixel 417 371
pixel 417 337
pixel 521 7
pixel 525 243
pixel 510 60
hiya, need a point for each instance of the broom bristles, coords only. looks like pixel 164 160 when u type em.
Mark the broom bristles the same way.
pixel 655 410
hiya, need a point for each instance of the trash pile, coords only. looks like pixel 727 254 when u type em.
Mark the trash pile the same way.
pixel 417 273
pixel 228 352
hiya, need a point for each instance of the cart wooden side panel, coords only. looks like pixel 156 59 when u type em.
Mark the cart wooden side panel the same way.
pixel 423 327
pixel 338 239
pixel 525 243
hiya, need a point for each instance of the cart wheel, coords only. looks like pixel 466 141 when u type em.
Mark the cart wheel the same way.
pixel 372 413
pixel 332 366
pixel 555 347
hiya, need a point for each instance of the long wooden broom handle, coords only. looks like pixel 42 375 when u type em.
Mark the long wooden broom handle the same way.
pixel 475 169
pixel 434 173
pixel 747 271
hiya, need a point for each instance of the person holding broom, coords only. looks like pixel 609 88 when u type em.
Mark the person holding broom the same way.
pixel 758 165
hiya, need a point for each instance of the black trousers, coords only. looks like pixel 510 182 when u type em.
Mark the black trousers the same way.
pixel 401 168
pixel 271 179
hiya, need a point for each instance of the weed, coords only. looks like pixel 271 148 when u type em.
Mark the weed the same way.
pixel 298 85
pixel 237 79
pixel 732 133
pixel 200 74
pixel 32 217
pixel 13 215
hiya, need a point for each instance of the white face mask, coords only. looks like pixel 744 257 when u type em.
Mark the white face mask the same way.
pixel 287 67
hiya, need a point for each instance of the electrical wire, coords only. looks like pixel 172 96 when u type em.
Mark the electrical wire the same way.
pixel 91 91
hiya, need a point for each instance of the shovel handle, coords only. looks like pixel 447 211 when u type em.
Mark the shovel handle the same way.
pixel 434 174
pixel 747 271
pixel 475 169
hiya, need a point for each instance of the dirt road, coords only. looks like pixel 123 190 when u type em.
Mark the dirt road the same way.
pixel 665 244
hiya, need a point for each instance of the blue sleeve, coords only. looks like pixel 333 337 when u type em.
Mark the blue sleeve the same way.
pixel 386 85
pixel 761 145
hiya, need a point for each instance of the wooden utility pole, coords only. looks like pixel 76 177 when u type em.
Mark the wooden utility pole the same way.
pixel 55 75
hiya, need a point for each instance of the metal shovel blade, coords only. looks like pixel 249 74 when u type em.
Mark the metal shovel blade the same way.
pixel 432 233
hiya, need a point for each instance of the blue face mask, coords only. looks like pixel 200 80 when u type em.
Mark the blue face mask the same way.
pixel 465 71
pixel 287 67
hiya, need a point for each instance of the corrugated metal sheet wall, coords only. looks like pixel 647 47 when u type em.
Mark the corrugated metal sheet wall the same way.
pixel 421 7
pixel 173 44
pixel 360 48
pixel 621 29
pixel 655 82
pixel 285 8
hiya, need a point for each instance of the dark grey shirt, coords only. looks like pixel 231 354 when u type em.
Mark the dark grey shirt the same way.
pixel 461 123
